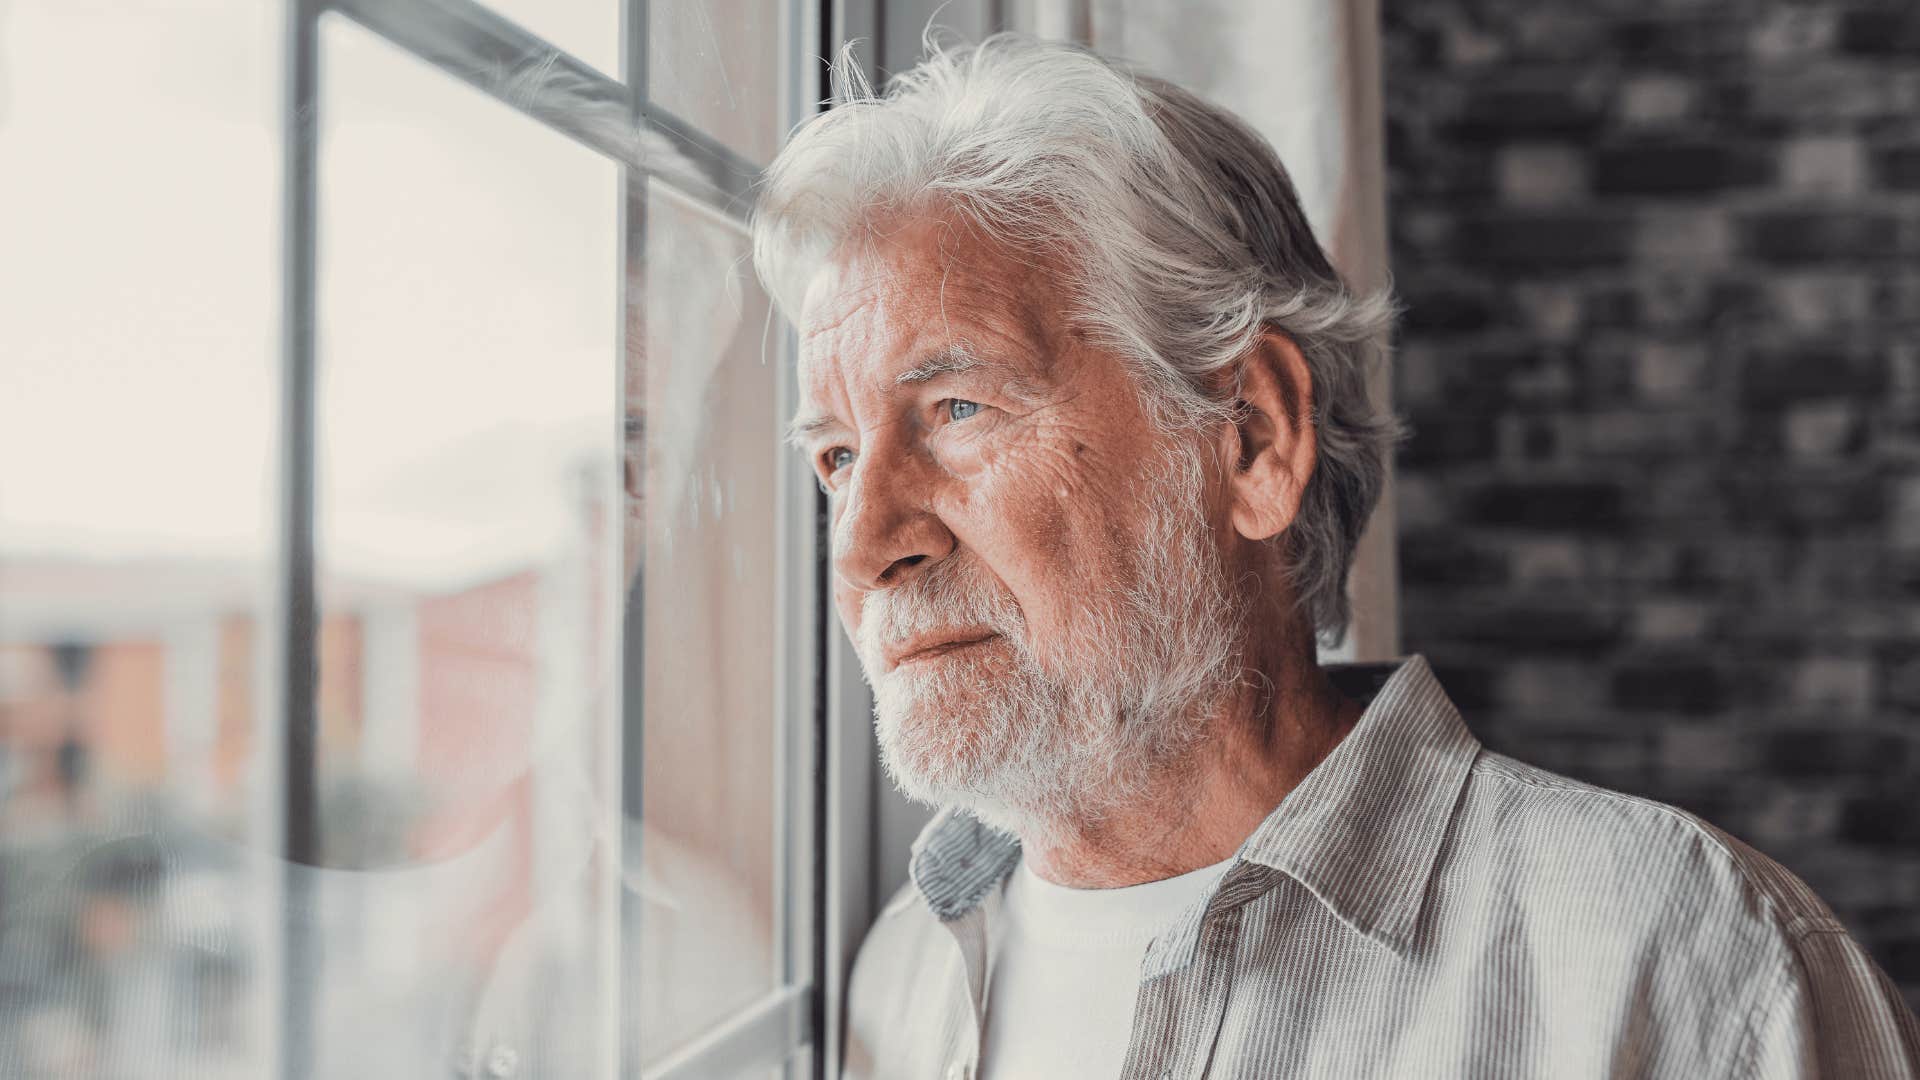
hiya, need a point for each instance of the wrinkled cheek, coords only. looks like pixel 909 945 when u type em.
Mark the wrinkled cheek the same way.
pixel 970 463
pixel 1028 539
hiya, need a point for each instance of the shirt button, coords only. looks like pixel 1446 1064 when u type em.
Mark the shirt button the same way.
pixel 502 1062
pixel 957 1071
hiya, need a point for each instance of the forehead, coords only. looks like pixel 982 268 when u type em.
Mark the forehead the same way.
pixel 883 301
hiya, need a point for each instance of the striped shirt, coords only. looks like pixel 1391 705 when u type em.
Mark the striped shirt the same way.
pixel 1421 907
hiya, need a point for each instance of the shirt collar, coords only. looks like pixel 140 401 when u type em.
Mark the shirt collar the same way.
pixel 1361 832
pixel 958 860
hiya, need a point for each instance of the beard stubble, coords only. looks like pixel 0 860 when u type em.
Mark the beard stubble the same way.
pixel 1039 748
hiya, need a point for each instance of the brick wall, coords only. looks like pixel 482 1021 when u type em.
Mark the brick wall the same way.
pixel 1661 510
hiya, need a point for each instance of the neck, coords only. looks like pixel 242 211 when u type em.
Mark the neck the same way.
pixel 1264 740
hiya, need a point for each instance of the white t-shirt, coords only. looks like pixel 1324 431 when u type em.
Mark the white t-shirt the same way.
pixel 1065 971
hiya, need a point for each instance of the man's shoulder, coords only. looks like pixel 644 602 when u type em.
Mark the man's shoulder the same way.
pixel 906 983
pixel 1652 864
pixel 1706 936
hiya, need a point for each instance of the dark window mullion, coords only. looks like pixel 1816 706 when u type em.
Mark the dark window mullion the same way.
pixel 297 604
pixel 633 224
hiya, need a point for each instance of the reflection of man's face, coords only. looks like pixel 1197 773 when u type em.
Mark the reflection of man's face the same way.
pixel 634 470
pixel 683 320
pixel 1028 567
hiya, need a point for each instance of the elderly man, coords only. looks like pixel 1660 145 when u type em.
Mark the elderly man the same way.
pixel 1089 403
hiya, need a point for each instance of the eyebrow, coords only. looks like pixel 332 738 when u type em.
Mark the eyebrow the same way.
pixel 951 360
pixel 803 428
pixel 948 361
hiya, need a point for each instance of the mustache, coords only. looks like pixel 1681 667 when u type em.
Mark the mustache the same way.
pixel 950 595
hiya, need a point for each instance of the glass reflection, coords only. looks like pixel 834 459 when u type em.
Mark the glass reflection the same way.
pixel 589 29
pixel 461 908
pixel 137 330
pixel 705 941
pixel 466 454
pixel 716 65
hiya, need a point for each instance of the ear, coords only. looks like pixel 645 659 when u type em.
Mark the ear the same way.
pixel 1274 448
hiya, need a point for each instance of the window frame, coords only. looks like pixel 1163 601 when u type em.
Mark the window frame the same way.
pixel 472 43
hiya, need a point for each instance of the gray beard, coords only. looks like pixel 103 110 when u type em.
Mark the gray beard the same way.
pixel 1046 754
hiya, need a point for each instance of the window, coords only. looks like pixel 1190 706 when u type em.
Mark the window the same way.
pixel 410 632
pixel 414 651
pixel 137 434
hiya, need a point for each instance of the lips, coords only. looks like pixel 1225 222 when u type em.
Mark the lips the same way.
pixel 934 647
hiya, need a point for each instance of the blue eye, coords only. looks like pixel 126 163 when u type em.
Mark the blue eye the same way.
pixel 839 458
pixel 960 410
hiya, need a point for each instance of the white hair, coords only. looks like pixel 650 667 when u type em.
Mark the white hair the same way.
pixel 1181 233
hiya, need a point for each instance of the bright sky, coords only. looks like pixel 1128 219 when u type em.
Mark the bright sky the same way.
pixel 469 296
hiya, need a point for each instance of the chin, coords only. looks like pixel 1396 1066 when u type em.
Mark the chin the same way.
pixel 928 750
pixel 939 761
pixel 949 737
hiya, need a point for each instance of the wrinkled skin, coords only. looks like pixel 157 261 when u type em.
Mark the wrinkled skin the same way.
pixel 1041 486
pixel 1043 490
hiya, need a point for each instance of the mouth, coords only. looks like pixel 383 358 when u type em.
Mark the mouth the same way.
pixel 916 652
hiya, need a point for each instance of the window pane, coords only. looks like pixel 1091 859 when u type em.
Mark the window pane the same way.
pixel 137 299
pixel 589 29
pixel 706 941
pixel 716 64
pixel 468 403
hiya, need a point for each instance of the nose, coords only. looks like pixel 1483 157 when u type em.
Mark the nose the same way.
pixel 885 533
